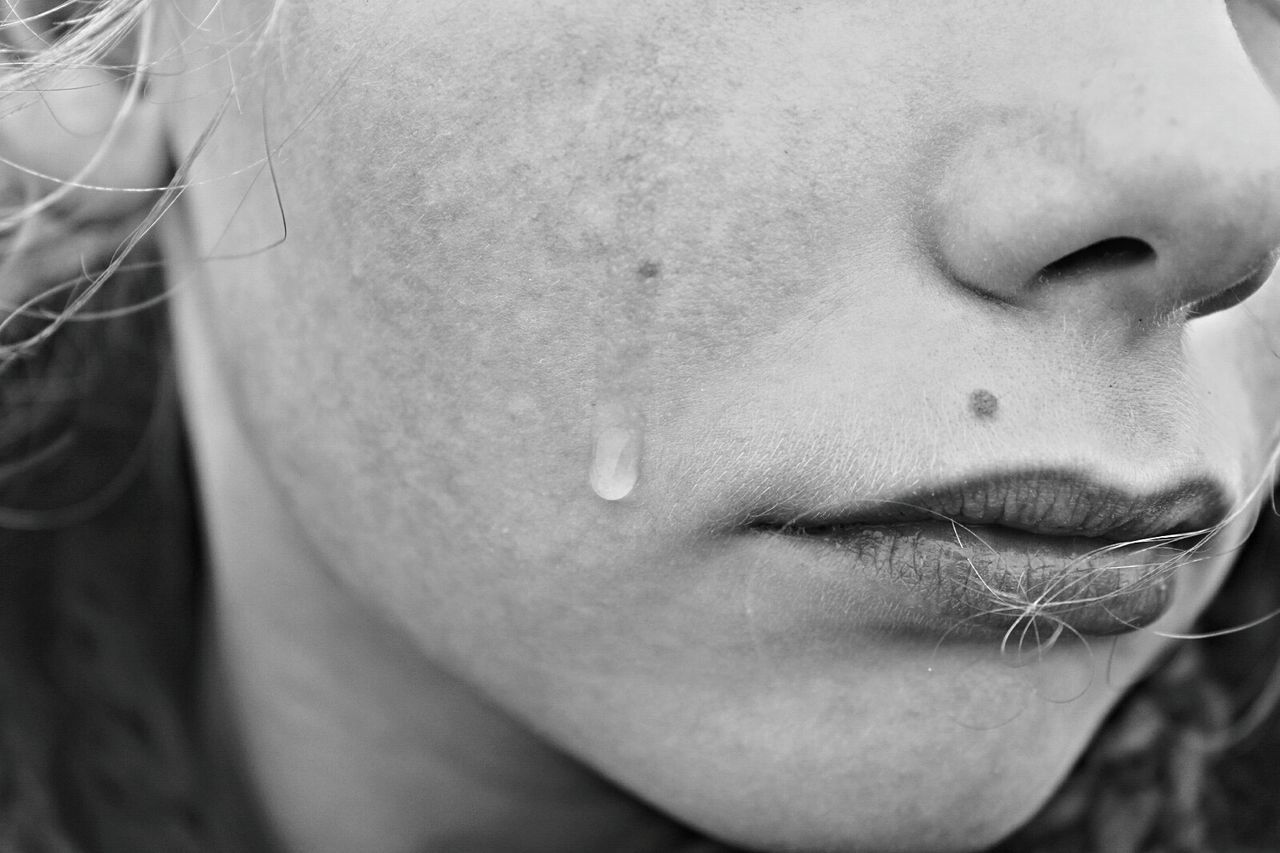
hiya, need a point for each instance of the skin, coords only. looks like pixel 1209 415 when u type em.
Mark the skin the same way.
pixel 798 244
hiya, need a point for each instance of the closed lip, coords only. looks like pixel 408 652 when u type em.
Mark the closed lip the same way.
pixel 1049 502
pixel 1022 548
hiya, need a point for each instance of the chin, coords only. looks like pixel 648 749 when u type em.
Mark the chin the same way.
pixel 822 763
pixel 964 808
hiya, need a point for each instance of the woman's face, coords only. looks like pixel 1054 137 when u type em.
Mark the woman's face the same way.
pixel 811 274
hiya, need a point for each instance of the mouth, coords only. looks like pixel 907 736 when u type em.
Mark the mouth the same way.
pixel 1029 553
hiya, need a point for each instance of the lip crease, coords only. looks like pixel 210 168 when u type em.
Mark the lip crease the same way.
pixel 1032 551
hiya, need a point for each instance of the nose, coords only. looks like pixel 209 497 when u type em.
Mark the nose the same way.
pixel 1140 189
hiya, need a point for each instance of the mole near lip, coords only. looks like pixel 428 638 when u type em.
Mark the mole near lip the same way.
pixel 998 579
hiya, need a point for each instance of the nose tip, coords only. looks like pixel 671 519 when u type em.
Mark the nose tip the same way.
pixel 1140 211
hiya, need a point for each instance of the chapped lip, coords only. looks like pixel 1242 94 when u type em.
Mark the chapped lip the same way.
pixel 997 551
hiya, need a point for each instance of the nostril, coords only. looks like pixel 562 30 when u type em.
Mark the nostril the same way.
pixel 1238 292
pixel 1111 255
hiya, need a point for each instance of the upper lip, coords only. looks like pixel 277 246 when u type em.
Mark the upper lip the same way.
pixel 1047 502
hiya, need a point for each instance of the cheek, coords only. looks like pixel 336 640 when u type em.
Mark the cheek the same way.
pixel 470 300
pixel 588 190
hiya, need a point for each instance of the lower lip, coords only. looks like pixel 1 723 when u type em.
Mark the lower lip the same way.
pixel 999 579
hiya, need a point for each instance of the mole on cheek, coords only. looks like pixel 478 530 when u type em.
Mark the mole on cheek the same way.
pixel 984 404
pixel 649 269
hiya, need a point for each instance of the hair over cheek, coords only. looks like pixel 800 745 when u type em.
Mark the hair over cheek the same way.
pixel 82 158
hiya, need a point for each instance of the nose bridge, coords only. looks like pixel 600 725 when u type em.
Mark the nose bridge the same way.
pixel 1142 189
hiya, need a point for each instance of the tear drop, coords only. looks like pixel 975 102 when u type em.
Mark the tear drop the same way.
pixel 615 457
